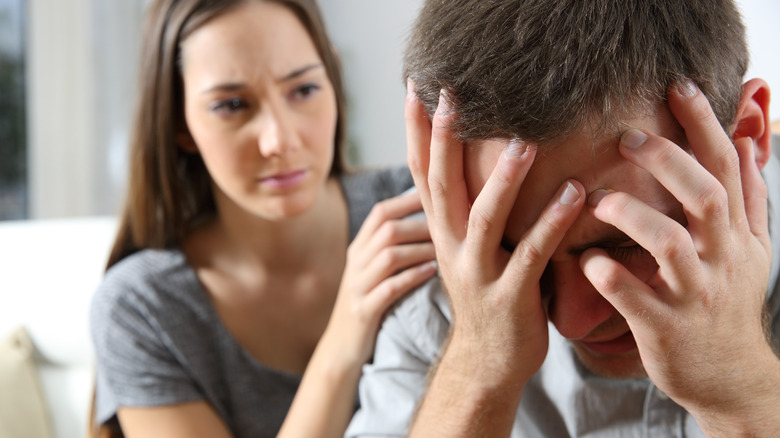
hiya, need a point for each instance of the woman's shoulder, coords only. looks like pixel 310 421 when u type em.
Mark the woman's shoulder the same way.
pixel 148 266
pixel 380 183
pixel 148 279
pixel 364 188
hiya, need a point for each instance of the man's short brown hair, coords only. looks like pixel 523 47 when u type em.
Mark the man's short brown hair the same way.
pixel 539 69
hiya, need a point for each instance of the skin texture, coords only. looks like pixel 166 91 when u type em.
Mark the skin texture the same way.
pixel 649 261
pixel 261 112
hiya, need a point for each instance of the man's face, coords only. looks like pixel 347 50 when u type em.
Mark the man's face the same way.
pixel 598 333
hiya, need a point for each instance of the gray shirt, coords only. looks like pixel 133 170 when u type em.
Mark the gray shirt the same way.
pixel 159 340
pixel 562 400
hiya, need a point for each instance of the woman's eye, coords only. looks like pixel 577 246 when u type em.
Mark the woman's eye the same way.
pixel 305 91
pixel 229 106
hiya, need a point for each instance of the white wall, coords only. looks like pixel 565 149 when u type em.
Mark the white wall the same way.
pixel 81 90
pixel 370 37
pixel 762 19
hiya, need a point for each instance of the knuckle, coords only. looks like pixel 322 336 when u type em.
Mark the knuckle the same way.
pixel 530 253
pixel 607 280
pixel 437 187
pixel 479 220
pixel 380 210
pixel 713 200
pixel 389 232
pixel 728 162
pixel 672 242
pixel 390 257
pixel 666 152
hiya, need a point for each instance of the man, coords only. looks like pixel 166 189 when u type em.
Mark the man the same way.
pixel 591 180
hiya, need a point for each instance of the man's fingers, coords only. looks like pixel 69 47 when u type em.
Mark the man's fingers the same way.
pixel 630 296
pixel 491 209
pixel 703 197
pixel 706 138
pixel 446 184
pixel 534 250
pixel 665 239
pixel 418 142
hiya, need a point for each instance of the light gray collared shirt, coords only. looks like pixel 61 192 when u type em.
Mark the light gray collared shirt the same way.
pixel 562 400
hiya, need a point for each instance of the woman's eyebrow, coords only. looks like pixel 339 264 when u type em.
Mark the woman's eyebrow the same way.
pixel 299 72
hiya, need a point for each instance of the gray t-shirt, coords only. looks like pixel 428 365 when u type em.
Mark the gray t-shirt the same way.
pixel 159 340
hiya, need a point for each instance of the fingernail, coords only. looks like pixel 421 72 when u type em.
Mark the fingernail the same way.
pixel 444 102
pixel 410 90
pixel 429 267
pixel 570 195
pixel 687 88
pixel 633 138
pixel 596 196
pixel 516 148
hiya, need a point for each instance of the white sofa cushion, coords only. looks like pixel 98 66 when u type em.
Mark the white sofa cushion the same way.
pixel 50 269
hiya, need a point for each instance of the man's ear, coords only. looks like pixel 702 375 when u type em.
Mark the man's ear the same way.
pixel 185 141
pixel 753 119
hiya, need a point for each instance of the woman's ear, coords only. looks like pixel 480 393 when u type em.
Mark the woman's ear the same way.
pixel 185 141
pixel 753 119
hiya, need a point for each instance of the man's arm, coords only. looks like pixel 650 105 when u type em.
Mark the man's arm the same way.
pixel 392 383
pixel 499 335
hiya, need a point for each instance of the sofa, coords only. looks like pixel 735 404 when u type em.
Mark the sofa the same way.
pixel 50 269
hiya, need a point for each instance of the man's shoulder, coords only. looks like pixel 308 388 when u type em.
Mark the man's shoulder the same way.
pixel 421 320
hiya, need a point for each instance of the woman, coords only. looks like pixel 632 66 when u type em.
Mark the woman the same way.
pixel 232 251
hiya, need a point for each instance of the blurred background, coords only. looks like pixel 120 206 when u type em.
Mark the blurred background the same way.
pixel 67 79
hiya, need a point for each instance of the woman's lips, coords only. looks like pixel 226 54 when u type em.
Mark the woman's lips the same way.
pixel 284 180
pixel 622 344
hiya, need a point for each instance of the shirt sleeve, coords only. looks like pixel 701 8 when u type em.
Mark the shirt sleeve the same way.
pixel 136 364
pixel 407 345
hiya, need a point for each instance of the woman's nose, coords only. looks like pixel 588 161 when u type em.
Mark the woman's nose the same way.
pixel 278 134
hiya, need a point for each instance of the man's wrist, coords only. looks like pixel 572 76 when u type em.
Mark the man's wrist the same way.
pixel 485 368
pixel 748 407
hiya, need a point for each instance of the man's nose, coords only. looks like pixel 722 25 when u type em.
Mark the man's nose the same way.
pixel 575 306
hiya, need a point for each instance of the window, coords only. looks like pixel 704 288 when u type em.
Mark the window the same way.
pixel 13 145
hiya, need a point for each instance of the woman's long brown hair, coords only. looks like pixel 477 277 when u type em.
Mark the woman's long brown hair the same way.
pixel 169 189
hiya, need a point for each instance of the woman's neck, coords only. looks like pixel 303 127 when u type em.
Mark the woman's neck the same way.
pixel 283 246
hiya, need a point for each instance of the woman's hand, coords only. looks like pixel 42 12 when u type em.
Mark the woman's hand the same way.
pixel 389 257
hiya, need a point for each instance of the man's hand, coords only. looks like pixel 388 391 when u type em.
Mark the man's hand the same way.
pixel 499 335
pixel 698 321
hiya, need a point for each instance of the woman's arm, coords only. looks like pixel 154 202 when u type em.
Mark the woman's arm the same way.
pixel 389 257
pixel 185 420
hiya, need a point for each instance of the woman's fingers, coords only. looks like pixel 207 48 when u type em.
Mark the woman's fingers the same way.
pixel 394 287
pixel 381 214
